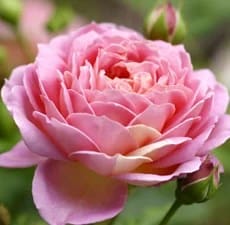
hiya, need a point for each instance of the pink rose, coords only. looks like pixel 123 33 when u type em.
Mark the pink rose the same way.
pixel 101 108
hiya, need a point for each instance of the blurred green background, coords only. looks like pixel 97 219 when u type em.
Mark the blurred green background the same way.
pixel 208 41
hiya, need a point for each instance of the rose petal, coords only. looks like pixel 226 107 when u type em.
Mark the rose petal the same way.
pixel 19 156
pixel 67 193
pixel 113 111
pixel 143 134
pixel 36 141
pixel 66 137
pixel 15 80
pixel 134 102
pixel 142 179
pixel 186 151
pixel 155 116
pixel 31 85
pixel 109 165
pixel 181 129
pixel 159 148
pixel 221 100
pixel 110 136
pixel 219 135
pixel 79 103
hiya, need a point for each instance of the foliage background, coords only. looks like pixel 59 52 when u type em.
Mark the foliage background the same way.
pixel 208 23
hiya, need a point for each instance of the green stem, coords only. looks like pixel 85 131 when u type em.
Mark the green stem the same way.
pixel 175 206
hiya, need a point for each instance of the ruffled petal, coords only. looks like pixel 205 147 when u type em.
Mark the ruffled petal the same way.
pixel 64 136
pixel 110 136
pixel 19 157
pixel 219 135
pixel 143 134
pixel 113 111
pixel 160 148
pixel 36 140
pixel 143 179
pixel 67 192
pixel 109 165
pixel 155 116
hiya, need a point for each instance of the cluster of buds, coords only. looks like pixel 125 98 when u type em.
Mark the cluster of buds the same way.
pixel 201 185
pixel 164 22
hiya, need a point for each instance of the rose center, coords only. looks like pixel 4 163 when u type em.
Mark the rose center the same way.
pixel 119 71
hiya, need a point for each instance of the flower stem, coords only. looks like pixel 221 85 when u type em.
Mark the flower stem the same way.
pixel 175 206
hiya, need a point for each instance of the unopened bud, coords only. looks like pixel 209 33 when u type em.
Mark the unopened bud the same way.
pixel 10 11
pixel 200 186
pixel 165 23
pixel 60 19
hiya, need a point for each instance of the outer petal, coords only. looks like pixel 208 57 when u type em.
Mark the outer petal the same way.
pixel 109 165
pixel 141 179
pixel 71 138
pixel 155 116
pixel 67 192
pixel 19 156
pixel 110 136
pixel 37 142
pixel 219 135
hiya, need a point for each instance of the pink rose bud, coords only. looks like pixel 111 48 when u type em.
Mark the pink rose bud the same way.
pixel 165 23
pixel 10 11
pixel 201 185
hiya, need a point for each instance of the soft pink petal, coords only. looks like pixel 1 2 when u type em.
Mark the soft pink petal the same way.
pixel 109 165
pixel 110 136
pixel 34 138
pixel 67 192
pixel 177 95
pixel 51 110
pixel 79 103
pixel 143 134
pixel 186 151
pixel 155 116
pixel 64 136
pixel 31 85
pixel 141 179
pixel 16 79
pixel 113 111
pixel 19 156
pixel 159 148
pixel 221 100
pixel 134 102
pixel 48 64
pixel 192 111
pixel 181 129
pixel 219 135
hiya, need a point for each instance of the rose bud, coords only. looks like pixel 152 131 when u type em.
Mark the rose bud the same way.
pixel 201 185
pixel 165 23
pixel 10 11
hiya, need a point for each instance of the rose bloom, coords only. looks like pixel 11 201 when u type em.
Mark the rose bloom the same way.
pixel 101 108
